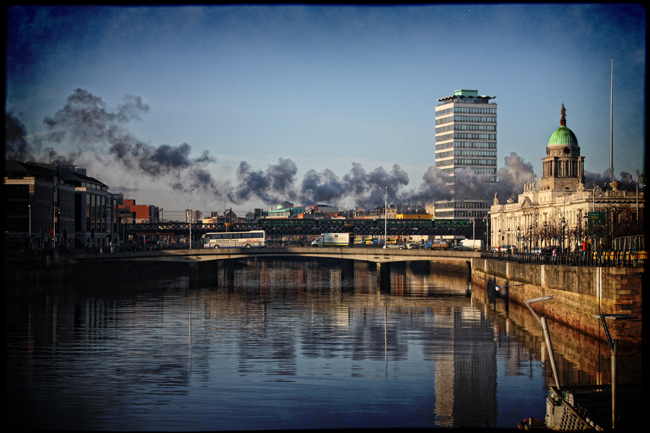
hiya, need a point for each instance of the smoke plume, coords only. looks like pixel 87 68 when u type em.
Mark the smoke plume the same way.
pixel 87 127
pixel 16 145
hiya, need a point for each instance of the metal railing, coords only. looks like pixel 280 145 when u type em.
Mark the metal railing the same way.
pixel 595 258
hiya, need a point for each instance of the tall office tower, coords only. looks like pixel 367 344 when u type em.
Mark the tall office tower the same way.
pixel 466 136
pixel 466 133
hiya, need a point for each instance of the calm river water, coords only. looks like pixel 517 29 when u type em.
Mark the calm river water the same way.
pixel 272 345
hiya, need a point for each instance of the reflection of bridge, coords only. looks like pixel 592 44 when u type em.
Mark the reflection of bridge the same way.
pixel 356 227
pixel 375 255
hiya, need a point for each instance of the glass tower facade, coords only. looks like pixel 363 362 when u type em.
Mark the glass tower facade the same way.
pixel 466 137
pixel 466 133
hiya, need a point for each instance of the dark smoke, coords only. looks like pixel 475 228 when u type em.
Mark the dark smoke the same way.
pixel 365 188
pixel 16 147
pixel 627 180
pixel 272 186
pixel 87 126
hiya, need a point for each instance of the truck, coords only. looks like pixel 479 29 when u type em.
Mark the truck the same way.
pixel 475 244
pixel 332 240
pixel 436 244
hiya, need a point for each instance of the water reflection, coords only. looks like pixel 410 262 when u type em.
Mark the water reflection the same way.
pixel 274 345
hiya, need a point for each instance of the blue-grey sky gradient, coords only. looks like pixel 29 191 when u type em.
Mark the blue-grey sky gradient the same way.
pixel 328 86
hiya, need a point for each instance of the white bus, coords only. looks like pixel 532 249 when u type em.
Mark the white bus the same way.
pixel 251 239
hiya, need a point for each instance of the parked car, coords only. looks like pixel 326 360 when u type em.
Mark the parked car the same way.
pixel 537 250
pixel 461 248
pixel 413 246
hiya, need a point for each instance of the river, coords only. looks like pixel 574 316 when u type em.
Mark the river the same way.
pixel 273 344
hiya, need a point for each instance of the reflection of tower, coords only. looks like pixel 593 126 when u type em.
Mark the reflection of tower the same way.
pixel 466 371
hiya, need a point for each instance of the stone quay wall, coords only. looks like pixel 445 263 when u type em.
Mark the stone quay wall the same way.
pixel 578 293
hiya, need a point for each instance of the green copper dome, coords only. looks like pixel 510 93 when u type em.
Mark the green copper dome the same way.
pixel 563 135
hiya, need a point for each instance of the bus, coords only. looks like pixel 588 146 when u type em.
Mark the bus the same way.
pixel 250 239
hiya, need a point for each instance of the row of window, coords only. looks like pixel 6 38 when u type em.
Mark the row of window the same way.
pixel 474 119
pixel 468 153
pixel 466 136
pixel 467 145
pixel 464 205
pixel 468 162
pixel 476 170
pixel 461 214
pixel 247 235
pixel 468 110
pixel 465 127
pixel 91 185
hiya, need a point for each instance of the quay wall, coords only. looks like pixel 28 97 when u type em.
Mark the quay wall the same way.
pixel 578 292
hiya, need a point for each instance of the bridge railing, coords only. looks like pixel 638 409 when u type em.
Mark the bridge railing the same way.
pixel 599 258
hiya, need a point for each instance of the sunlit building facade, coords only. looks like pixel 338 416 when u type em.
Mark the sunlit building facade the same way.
pixel 559 211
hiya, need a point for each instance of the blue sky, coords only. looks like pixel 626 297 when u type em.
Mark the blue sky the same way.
pixel 300 89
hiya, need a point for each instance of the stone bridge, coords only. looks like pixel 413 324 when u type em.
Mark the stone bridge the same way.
pixel 374 255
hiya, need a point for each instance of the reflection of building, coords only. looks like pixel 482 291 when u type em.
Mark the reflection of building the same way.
pixel 466 372
pixel 556 210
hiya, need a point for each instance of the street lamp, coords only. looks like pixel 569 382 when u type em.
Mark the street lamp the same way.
pixel 385 217
pixel 639 178
pixel 593 196
pixel 564 221
pixel 191 217
pixel 547 335
pixel 613 347
pixel 29 210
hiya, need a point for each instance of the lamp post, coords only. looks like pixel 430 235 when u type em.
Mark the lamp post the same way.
pixel 191 217
pixel 613 347
pixel 385 217
pixel 614 213
pixel 639 178
pixel 29 211
pixel 564 220
pixel 486 218
pixel 593 196
pixel 547 336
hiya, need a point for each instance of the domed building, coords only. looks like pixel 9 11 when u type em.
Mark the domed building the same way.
pixel 559 211
pixel 563 167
